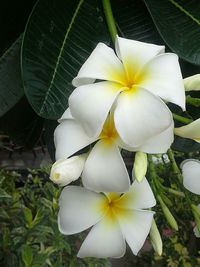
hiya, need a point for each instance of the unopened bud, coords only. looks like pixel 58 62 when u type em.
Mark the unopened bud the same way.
pixel 64 171
pixel 170 218
pixel 155 237
pixel 192 83
pixel 140 166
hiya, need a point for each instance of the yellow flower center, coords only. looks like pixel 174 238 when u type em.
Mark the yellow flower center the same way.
pixel 112 208
pixel 109 133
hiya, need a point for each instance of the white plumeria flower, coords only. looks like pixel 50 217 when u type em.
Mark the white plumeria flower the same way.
pixel 134 82
pixel 65 171
pixel 191 131
pixel 104 169
pixel 114 217
pixel 191 175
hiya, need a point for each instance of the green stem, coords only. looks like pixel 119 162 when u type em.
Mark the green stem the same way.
pixel 181 118
pixel 175 166
pixel 193 101
pixel 177 172
pixel 173 191
pixel 110 19
pixel 158 183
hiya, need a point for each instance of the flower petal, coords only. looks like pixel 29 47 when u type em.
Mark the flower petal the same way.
pixel 191 130
pixel 105 170
pixel 140 196
pixel 102 64
pixel 135 226
pixel 162 76
pixel 104 240
pixel 79 209
pixel 69 138
pixel 90 105
pixel 66 116
pixel 139 115
pixel 159 143
pixel 135 55
pixel 191 175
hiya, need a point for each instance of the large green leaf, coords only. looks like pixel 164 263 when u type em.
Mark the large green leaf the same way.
pixel 59 36
pixel 11 88
pixel 178 22
pixel 134 21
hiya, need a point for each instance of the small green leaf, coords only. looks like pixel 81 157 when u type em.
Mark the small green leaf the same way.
pixel 3 194
pixel 38 217
pixel 74 263
pixel 6 237
pixel 28 216
pixel 27 255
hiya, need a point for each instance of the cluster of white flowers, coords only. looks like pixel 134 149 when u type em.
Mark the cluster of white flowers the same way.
pixel 118 103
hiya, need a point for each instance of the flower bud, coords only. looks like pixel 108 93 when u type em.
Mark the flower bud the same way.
pixel 192 83
pixel 191 131
pixel 155 237
pixel 64 171
pixel 140 166
pixel 170 218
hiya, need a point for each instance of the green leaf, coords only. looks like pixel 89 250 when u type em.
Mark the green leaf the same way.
pixel 27 255
pixel 38 217
pixel 28 216
pixel 185 145
pixel 178 22
pixel 134 21
pixel 3 194
pixel 59 37
pixel 10 77
pixel 74 263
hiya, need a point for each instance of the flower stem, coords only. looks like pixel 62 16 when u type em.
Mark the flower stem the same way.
pixel 177 172
pixel 173 191
pixel 110 19
pixel 181 118
pixel 193 101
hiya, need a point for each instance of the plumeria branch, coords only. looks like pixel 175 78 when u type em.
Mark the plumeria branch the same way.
pixel 110 19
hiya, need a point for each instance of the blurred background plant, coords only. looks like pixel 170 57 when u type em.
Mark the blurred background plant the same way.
pixel 29 234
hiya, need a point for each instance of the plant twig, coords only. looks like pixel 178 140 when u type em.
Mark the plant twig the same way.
pixel 110 19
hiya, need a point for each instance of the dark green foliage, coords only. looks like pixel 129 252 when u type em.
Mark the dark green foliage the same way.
pixel 29 234
pixel 178 22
